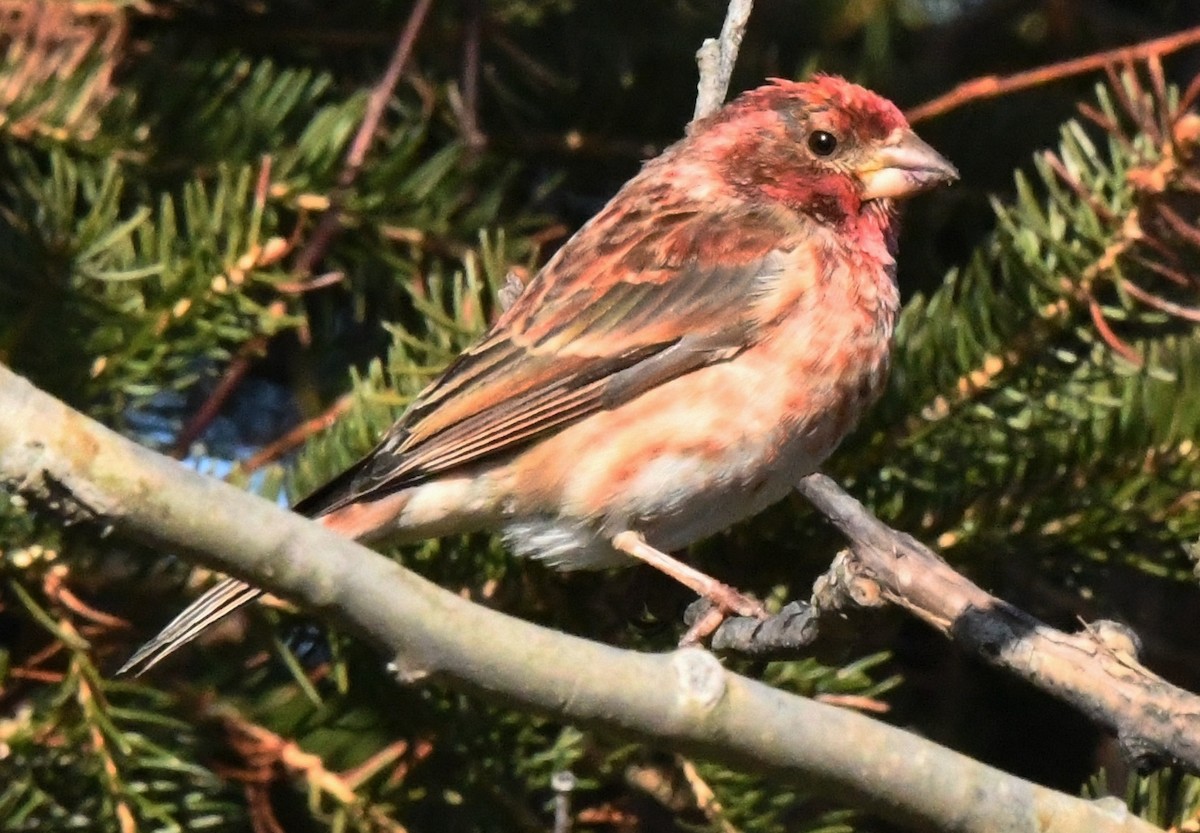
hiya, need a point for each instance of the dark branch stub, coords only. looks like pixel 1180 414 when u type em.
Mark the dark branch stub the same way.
pixel 781 635
pixel 844 586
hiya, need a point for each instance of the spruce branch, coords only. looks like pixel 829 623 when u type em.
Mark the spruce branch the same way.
pixel 116 735
pixel 1105 257
pixel 57 62
pixel 683 699
pixel 267 758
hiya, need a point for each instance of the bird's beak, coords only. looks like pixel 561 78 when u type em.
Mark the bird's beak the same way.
pixel 902 166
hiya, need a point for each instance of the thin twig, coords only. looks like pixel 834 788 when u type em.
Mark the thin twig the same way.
pixel 1162 304
pixel 318 282
pixel 993 86
pixel 381 93
pixel 858 702
pixel 472 44
pixel 1108 335
pixel 330 222
pixel 234 373
pixel 327 226
pixel 717 57
pixel 296 437
pixel 706 799
pixel 267 755
pixel 55 588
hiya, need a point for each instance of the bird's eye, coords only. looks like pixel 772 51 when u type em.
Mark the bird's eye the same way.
pixel 822 142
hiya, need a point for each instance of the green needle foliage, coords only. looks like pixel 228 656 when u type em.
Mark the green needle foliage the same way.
pixel 161 174
pixel 1045 403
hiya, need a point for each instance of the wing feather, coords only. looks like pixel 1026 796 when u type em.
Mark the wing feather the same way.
pixel 594 329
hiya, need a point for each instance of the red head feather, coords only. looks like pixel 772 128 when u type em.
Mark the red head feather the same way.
pixel 870 114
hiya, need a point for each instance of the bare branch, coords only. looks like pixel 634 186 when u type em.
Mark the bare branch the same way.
pixel 330 222
pixel 717 57
pixel 994 86
pixel 1096 670
pixel 683 700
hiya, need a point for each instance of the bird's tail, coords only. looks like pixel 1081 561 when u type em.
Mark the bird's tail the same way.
pixel 354 521
pixel 219 601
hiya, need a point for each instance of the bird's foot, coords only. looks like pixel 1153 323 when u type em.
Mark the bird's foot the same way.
pixel 723 599
pixel 707 614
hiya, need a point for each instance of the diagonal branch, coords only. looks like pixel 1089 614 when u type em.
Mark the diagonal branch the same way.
pixel 1095 671
pixel 994 86
pixel 683 700
pixel 330 222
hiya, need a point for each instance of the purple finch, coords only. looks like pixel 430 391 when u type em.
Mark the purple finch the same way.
pixel 695 349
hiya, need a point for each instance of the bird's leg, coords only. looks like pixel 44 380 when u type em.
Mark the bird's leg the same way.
pixel 705 623
pixel 725 599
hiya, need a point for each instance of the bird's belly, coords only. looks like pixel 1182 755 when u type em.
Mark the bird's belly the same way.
pixel 687 459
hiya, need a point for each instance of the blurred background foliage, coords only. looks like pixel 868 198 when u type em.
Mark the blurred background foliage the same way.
pixel 165 171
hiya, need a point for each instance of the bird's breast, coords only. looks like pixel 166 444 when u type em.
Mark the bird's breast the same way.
pixel 707 449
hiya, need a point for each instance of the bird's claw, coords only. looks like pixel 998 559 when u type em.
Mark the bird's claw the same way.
pixel 707 613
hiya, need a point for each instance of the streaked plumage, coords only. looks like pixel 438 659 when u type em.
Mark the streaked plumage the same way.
pixel 693 350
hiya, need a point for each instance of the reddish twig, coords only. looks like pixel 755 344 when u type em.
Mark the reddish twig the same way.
pixel 294 438
pixel 45 654
pixel 1179 225
pixel 233 376
pixel 36 675
pixel 993 86
pixel 472 45
pixel 56 590
pixel 1134 106
pixel 1175 276
pixel 268 756
pixel 269 252
pixel 1106 124
pixel 421 750
pixel 262 187
pixel 1082 192
pixel 1106 332
pixel 330 222
pixel 1162 304
pixel 368 769
pixel 857 702
pixel 705 798
pixel 319 282
pixel 262 813
pixel 1189 95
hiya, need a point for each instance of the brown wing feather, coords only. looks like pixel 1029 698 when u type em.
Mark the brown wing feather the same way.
pixel 611 315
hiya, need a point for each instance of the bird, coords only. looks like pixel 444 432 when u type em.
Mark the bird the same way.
pixel 691 352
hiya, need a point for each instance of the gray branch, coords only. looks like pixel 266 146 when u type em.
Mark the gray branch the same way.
pixel 1096 671
pixel 683 700
pixel 717 57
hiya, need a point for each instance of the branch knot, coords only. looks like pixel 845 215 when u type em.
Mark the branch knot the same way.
pixel 701 679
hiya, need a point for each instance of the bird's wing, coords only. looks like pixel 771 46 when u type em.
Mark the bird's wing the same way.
pixel 623 307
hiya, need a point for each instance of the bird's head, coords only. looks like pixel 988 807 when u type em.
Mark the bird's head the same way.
pixel 823 147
